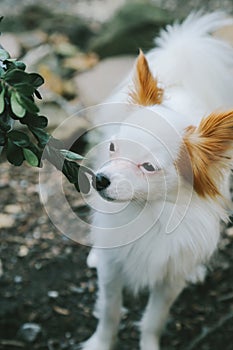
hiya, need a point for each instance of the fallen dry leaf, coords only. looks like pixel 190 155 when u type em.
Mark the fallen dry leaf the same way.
pixel 61 311
pixel 23 251
pixel 52 81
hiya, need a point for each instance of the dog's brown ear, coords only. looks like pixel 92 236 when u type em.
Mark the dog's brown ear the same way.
pixel 145 90
pixel 209 148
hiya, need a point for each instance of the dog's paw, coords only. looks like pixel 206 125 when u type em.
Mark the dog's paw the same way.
pixel 92 259
pixel 95 343
pixel 198 275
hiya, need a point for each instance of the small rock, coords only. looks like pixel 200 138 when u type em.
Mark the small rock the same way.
pixel 68 335
pixel 76 290
pixel 37 234
pixel 4 183
pixel 12 209
pixel 38 265
pixel 53 294
pixel 68 250
pixel 6 221
pixel 91 287
pixel 18 279
pixel 11 44
pixel 23 183
pixel 229 232
pixel 29 332
pixel 23 251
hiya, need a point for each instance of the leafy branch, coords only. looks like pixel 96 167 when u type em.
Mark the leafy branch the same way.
pixel 18 90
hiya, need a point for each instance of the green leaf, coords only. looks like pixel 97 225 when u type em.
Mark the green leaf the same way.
pixel 19 138
pixel 38 95
pixel 2 138
pixel 14 76
pixel 76 185
pixel 6 122
pixel 41 122
pixel 53 156
pixel 2 102
pixel 20 65
pixel 70 170
pixel 41 135
pixel 88 171
pixel 4 55
pixel 71 155
pixel 16 106
pixel 35 121
pixel 35 79
pixel 30 157
pixel 9 66
pixel 2 71
pixel 83 183
pixel 29 104
pixel 14 153
pixel 11 60
pixel 24 88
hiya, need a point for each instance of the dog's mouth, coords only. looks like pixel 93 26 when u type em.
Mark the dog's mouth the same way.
pixel 106 197
pixel 114 199
pixel 116 192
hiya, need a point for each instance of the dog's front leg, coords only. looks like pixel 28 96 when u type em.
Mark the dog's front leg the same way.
pixel 108 308
pixel 161 298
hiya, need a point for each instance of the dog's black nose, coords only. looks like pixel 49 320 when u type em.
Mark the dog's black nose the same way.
pixel 101 182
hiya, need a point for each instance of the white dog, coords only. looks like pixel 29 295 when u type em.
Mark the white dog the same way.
pixel 162 177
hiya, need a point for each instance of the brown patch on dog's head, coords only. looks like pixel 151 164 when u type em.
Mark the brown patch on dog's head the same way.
pixel 210 148
pixel 145 91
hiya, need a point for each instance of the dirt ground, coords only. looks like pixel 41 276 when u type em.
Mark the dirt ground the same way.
pixel 44 280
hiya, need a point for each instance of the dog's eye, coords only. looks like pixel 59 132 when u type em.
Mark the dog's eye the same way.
pixel 112 147
pixel 148 167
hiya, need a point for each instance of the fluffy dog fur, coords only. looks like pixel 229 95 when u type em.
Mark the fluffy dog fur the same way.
pixel 164 176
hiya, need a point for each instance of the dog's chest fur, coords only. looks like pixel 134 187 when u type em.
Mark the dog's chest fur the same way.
pixel 157 255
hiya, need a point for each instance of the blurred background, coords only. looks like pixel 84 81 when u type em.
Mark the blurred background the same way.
pixel 83 49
